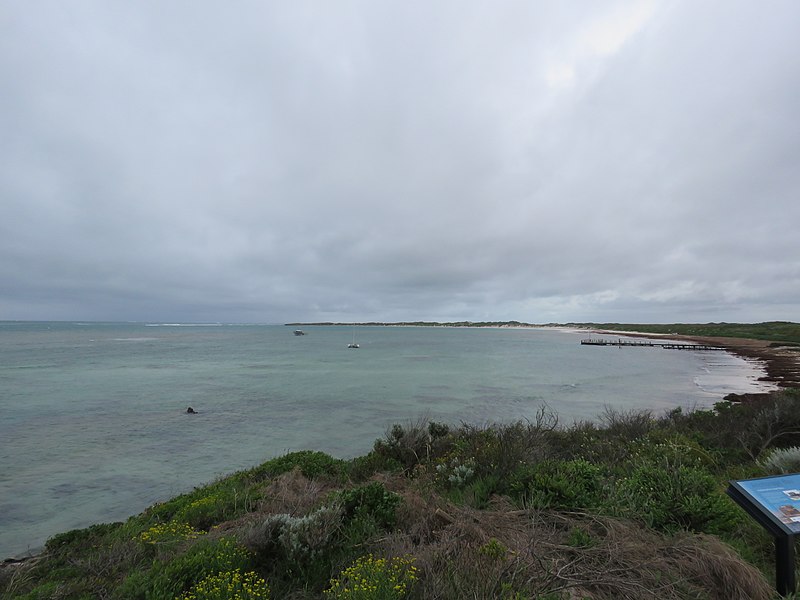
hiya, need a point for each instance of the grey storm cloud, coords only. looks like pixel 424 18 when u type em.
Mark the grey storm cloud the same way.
pixel 628 161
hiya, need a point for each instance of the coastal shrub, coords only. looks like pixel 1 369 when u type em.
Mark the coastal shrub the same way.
pixel 570 484
pixel 370 578
pixel 574 441
pixel 98 572
pixel 438 430
pixel 229 585
pixel 507 592
pixel 364 467
pixel 410 445
pixel 584 440
pixel 168 533
pixel 781 460
pixel 284 537
pixel 237 494
pixel 721 429
pixel 170 577
pixel 775 330
pixel 311 464
pixel 77 563
pixel 206 506
pixel 580 538
pixel 499 449
pixel 45 591
pixel 291 549
pixel 137 585
pixel 209 510
pixel 476 493
pixel 372 500
pixel 78 540
pixel 476 445
pixel 672 448
pixel 455 473
pixel 741 431
pixel 494 549
pixel 627 424
pixel 671 497
pixel 775 424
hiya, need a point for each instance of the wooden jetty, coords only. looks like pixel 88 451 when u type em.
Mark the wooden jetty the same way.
pixel 647 344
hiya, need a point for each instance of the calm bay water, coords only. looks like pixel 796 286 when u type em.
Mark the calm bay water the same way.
pixel 93 423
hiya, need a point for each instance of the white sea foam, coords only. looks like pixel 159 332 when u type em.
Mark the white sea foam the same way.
pixel 183 325
pixel 726 373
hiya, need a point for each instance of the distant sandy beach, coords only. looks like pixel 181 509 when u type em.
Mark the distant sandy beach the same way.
pixel 782 364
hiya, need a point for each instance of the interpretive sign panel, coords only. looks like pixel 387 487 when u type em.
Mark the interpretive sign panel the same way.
pixel 775 503
pixel 778 498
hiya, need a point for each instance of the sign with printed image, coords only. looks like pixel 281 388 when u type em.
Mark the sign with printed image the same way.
pixel 774 502
pixel 778 497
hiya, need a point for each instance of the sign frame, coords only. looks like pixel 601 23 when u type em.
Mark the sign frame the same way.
pixel 774 503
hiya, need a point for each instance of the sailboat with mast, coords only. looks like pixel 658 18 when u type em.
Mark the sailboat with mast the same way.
pixel 353 344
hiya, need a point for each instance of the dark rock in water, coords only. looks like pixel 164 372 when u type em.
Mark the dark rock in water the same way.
pixel 748 398
pixel 9 562
pixel 191 411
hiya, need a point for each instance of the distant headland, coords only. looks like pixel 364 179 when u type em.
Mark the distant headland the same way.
pixel 425 324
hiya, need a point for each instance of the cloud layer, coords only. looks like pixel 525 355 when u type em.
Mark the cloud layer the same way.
pixel 624 161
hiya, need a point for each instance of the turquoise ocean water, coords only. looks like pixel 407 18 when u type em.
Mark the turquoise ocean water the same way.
pixel 93 423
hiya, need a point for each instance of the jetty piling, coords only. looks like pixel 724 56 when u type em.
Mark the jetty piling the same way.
pixel 647 344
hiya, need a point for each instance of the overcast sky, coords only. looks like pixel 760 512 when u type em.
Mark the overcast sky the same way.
pixel 257 161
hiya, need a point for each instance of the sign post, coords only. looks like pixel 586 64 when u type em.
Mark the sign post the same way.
pixel 774 502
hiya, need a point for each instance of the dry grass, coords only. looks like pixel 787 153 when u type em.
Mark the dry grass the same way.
pixel 16 576
pixel 294 494
pixel 291 493
pixel 497 552
pixel 108 565
pixel 723 574
pixel 540 554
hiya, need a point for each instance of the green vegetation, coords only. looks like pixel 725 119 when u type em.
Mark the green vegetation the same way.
pixel 633 506
pixel 369 578
pixel 775 331
pixel 229 584
pixel 418 324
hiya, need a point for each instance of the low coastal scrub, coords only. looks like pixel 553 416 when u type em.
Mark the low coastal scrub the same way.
pixel 370 578
pixel 783 332
pixel 229 585
pixel 632 506
pixel 781 460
